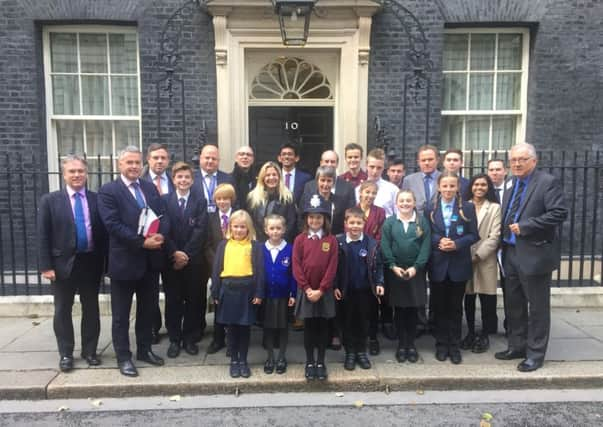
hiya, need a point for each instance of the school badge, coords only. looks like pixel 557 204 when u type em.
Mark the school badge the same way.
pixel 362 253
pixel 326 246
pixel 286 262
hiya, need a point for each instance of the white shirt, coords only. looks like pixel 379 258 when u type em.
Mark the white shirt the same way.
pixel 274 250
pixel 318 233
pixel 348 239
pixel 185 197
pixel 405 222
pixel 129 183
pixel 165 188
pixel 386 196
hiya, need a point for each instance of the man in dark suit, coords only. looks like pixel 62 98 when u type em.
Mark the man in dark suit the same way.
pixel 186 212
pixel 134 260
pixel 244 174
pixel 341 187
pixel 533 210
pixel 453 162
pixel 294 179
pixel 207 178
pixel 72 249
pixel 157 172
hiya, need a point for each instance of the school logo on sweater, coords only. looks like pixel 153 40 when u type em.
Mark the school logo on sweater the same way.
pixel 326 246
pixel 286 262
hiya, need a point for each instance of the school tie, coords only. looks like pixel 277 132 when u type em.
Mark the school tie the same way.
pixel 81 237
pixel 182 201
pixel 158 184
pixel 512 213
pixel 224 223
pixel 427 184
pixel 288 181
pixel 138 195
pixel 447 215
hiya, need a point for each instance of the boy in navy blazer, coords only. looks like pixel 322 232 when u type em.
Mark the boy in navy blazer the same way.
pixel 134 260
pixel 185 299
pixel 72 251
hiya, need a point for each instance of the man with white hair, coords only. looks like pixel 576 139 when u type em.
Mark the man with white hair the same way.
pixel 533 209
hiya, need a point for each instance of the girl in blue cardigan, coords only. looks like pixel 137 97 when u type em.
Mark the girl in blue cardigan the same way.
pixel 281 290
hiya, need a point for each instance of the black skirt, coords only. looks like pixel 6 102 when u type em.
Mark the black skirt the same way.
pixel 276 312
pixel 406 293
pixel 324 307
pixel 234 301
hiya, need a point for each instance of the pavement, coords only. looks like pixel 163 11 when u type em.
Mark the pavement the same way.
pixel 29 365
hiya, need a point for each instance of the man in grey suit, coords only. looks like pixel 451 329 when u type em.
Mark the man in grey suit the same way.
pixel 424 185
pixel 426 179
pixel 533 209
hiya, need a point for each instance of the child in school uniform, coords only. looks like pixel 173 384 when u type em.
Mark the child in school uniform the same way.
pixel 281 289
pixel 224 199
pixel 238 286
pixel 315 256
pixel 360 273
pixel 405 247
pixel 453 231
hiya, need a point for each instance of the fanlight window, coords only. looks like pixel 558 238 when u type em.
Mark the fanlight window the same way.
pixel 290 79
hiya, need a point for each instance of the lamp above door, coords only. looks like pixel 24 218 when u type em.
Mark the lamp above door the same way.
pixel 294 20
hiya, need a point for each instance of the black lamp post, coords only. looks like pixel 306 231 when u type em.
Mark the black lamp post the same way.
pixel 294 20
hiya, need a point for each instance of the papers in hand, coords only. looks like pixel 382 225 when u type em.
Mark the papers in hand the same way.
pixel 148 222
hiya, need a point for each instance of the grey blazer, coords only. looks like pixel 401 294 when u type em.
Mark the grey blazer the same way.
pixel 414 183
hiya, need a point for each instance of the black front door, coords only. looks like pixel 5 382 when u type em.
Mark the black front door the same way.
pixel 311 127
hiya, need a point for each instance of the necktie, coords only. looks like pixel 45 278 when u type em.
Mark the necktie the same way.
pixel 512 212
pixel 224 223
pixel 81 237
pixel 498 195
pixel 182 201
pixel 314 237
pixel 211 186
pixel 158 184
pixel 447 215
pixel 288 180
pixel 427 184
pixel 138 195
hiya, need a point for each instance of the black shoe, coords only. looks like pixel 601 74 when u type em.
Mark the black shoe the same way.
pixel 191 348
pixel 349 363
pixel 150 358
pixel 390 332
pixel 156 338
pixel 310 371
pixel 66 363
pixel 234 371
pixel 215 347
pixel 441 354
pixel 468 342
pixel 455 357
pixel 269 365
pixel 173 350
pixel 481 344
pixel 321 372
pixel 374 347
pixel 529 365
pixel 509 354
pixel 92 359
pixel 400 355
pixel 411 355
pixel 127 368
pixel 335 344
pixel 363 360
pixel 244 369
pixel 281 366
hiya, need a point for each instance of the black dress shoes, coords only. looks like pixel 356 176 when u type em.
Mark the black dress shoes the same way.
pixel 191 348
pixel 310 371
pixel 411 355
pixel 509 354
pixel 244 370
pixel 401 355
pixel 529 365
pixel 150 358
pixel 349 363
pixel 173 350
pixel 281 365
pixel 234 370
pixel 441 354
pixel 215 347
pixel 455 357
pixel 363 360
pixel 92 360
pixel 321 372
pixel 66 363
pixel 481 344
pixel 269 366
pixel 127 368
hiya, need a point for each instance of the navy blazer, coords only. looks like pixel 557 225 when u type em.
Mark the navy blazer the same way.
pixel 373 259
pixel 188 230
pixel 221 178
pixel 120 213
pixel 301 178
pixel 56 234
pixel 456 264
pixel 147 176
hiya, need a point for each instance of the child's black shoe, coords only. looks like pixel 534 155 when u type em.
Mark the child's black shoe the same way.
pixel 269 366
pixel 321 372
pixel 310 371
pixel 281 366
pixel 363 360
pixel 349 364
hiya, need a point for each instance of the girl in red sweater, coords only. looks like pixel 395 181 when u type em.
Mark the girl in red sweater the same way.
pixel 314 268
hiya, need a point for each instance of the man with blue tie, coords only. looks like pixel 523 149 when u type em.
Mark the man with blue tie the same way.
pixel 135 260
pixel 72 250
pixel 533 210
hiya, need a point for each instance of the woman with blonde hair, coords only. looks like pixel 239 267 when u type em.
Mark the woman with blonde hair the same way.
pixel 271 196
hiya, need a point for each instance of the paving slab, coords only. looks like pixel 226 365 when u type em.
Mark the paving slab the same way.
pixel 575 349
pixel 14 327
pixel 25 384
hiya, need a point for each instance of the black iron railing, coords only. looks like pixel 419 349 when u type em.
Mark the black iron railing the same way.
pixel 23 179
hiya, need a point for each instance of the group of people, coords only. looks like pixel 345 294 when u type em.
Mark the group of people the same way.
pixel 342 254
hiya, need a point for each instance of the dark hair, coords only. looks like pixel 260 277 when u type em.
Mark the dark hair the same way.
pixel 353 146
pixel 326 226
pixel 490 195
pixel 458 199
pixel 156 146
pixel 354 211
pixel 395 162
pixel 428 147
pixel 290 145
pixel 181 167
pixel 453 151
pixel 496 160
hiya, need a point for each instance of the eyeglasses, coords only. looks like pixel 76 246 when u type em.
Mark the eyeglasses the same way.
pixel 519 160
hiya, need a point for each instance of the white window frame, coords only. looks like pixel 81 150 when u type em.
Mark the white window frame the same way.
pixel 521 113
pixel 51 117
